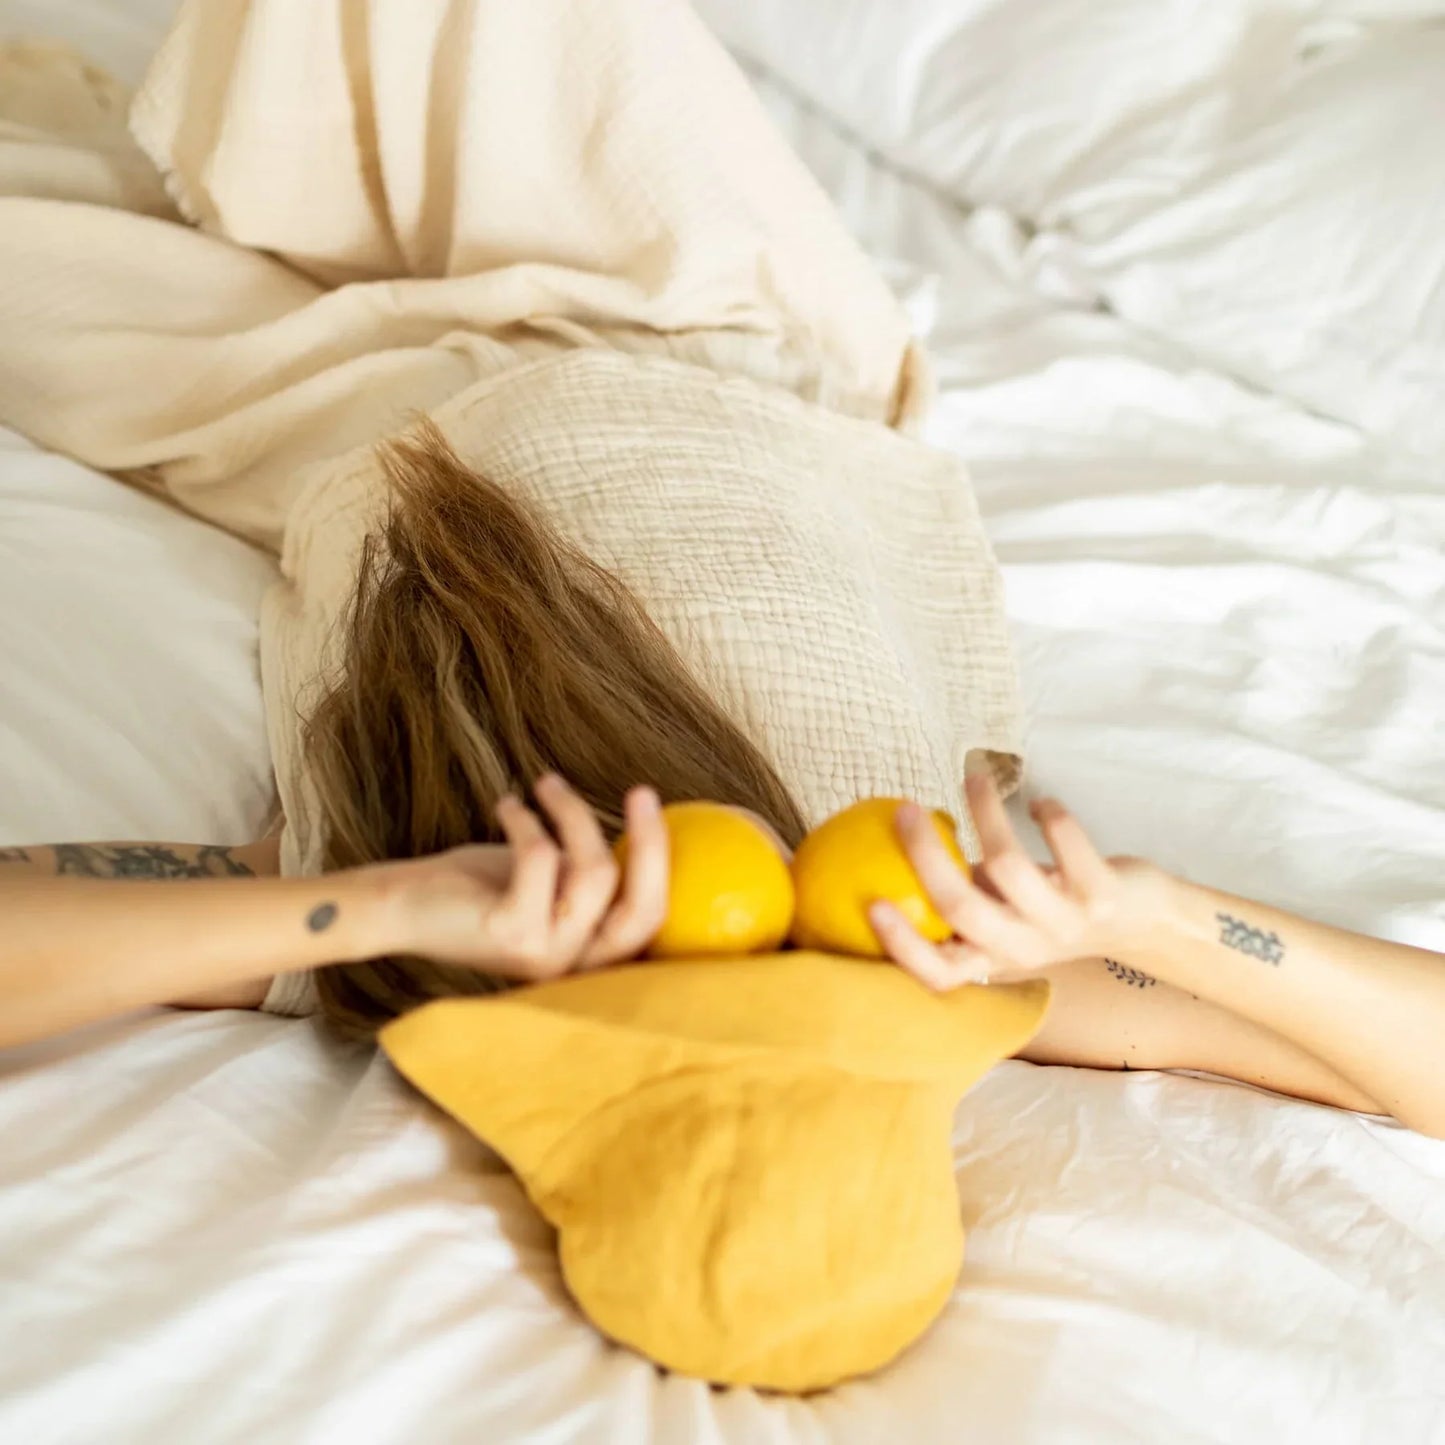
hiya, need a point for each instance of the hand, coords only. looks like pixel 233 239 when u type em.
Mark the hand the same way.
pixel 1015 918
pixel 535 908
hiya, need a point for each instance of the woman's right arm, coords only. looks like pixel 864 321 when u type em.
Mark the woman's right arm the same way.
pixel 158 862
pixel 78 949
pixel 88 931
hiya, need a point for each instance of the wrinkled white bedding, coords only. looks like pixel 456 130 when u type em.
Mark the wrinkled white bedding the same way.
pixel 1225 575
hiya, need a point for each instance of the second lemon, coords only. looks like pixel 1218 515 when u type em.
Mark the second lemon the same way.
pixel 729 890
pixel 852 860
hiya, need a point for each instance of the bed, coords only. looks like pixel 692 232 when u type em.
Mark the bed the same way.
pixel 1181 271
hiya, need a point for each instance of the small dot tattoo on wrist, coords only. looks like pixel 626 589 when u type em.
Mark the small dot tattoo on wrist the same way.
pixel 321 917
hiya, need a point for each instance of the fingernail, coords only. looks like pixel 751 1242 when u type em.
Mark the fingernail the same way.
pixel 908 814
pixel 882 915
pixel 547 780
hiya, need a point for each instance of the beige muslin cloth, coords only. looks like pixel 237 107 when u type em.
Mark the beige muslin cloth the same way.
pixel 566 230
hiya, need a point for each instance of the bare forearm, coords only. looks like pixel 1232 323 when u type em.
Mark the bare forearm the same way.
pixel 1370 1011
pixel 77 950
pixel 1109 1015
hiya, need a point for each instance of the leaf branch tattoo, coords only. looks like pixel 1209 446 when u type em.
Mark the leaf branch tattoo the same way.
pixel 1132 977
pixel 1236 934
pixel 145 860
pixel 14 855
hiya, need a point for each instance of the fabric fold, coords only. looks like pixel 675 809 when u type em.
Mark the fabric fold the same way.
pixel 526 222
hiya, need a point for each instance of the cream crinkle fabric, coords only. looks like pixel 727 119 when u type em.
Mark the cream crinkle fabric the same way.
pixel 566 231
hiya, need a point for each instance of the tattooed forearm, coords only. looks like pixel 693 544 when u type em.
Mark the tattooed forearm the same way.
pixel 145 860
pixel 1236 934
pixel 217 862
pixel 14 855
pixel 1133 977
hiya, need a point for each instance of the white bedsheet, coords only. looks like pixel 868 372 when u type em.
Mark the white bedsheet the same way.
pixel 1230 613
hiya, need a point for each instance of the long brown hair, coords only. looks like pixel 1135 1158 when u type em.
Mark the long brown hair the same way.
pixel 480 651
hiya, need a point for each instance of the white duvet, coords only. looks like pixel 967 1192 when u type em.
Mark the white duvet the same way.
pixel 1191 343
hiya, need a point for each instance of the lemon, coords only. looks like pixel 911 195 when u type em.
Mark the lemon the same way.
pixel 729 890
pixel 852 860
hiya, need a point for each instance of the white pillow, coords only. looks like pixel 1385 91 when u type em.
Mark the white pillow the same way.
pixel 1048 109
pixel 1261 184
pixel 1310 258
pixel 119 35
pixel 131 703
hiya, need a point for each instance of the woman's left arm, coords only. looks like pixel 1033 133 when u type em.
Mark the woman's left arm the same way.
pixel 1374 1012
pixel 1334 1014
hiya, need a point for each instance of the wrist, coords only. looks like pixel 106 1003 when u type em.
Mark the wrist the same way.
pixel 1144 912
pixel 347 916
pixel 1170 924
pixel 372 912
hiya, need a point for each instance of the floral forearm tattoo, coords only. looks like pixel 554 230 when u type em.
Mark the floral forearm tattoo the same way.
pixel 145 860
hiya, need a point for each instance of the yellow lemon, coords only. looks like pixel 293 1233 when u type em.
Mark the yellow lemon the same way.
pixel 729 890
pixel 855 859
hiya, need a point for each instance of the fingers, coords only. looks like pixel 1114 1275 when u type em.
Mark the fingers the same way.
pixel 1083 868
pixel 567 906
pixel 563 908
pixel 536 865
pixel 589 880
pixel 980 920
pixel 990 821
pixel 1063 901
pixel 940 967
pixel 1011 873
pixel 576 823
pixel 641 906
pixel 1021 884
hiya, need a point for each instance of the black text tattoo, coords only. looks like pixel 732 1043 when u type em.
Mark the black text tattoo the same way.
pixel 1134 977
pixel 1236 934
pixel 14 855
pixel 145 860
pixel 321 917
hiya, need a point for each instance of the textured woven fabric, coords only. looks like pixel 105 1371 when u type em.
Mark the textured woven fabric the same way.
pixel 701 1169
pixel 827 578
pixel 566 230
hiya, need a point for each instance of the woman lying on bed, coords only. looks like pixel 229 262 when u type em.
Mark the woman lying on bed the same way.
pixel 485 656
